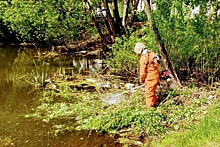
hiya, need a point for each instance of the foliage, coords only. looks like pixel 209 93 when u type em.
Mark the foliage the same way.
pixel 87 111
pixel 37 77
pixel 191 40
pixel 205 133
pixel 140 16
pixel 45 21
pixel 123 60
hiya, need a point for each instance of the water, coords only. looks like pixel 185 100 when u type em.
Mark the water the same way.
pixel 18 99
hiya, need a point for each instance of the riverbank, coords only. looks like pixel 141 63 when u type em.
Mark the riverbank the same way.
pixel 23 74
pixel 127 120
pixel 86 47
pixel 205 132
pixel 80 102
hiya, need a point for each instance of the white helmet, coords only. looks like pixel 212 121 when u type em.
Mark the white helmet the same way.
pixel 139 47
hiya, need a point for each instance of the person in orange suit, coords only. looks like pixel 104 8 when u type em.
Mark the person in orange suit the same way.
pixel 149 73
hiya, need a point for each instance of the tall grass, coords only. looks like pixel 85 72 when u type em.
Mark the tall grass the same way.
pixel 206 133
pixel 38 75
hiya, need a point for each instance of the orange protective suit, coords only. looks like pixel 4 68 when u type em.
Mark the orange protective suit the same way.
pixel 149 74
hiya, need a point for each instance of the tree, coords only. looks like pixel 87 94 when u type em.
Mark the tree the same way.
pixel 125 13
pixel 190 39
pixel 117 24
pixel 167 62
pixel 133 12
pixel 116 27
pixel 52 22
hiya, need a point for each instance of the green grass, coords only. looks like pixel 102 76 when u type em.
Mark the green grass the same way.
pixel 86 110
pixel 205 133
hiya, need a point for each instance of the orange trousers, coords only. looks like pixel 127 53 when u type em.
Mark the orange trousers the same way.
pixel 150 92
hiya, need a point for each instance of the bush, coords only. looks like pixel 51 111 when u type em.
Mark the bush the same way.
pixel 45 21
pixel 123 60
pixel 140 16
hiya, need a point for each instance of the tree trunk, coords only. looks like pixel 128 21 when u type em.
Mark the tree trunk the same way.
pixel 110 19
pixel 117 19
pixel 133 12
pixel 125 13
pixel 166 61
pixel 88 6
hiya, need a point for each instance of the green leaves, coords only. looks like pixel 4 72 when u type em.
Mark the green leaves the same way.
pixel 191 41
pixel 44 21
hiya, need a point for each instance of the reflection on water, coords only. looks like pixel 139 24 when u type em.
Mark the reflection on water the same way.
pixel 18 99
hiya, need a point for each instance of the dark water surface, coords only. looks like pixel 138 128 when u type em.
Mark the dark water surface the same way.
pixel 18 99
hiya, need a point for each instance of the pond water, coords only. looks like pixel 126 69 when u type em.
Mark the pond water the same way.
pixel 18 99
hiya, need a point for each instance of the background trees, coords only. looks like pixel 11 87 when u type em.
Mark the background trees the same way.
pixel 191 39
pixel 44 21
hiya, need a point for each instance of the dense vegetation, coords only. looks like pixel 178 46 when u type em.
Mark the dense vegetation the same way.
pixel 127 120
pixel 192 42
pixel 47 22
pixel 203 134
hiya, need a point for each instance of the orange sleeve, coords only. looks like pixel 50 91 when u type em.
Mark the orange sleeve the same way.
pixel 143 68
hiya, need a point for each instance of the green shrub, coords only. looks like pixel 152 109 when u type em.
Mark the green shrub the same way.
pixel 123 60
pixel 140 16
pixel 45 21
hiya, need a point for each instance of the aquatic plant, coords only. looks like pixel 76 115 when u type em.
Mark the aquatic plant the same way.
pixel 38 76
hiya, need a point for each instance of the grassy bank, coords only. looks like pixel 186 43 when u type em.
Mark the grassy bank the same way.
pixel 205 133
pixel 128 121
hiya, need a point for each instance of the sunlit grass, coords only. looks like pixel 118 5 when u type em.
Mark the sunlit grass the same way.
pixel 206 133
pixel 85 110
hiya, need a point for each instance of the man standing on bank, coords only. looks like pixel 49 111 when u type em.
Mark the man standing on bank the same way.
pixel 149 73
